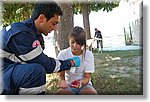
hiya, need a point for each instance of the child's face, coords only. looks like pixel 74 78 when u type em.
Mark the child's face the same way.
pixel 75 48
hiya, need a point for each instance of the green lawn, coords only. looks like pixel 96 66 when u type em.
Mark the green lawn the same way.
pixel 116 73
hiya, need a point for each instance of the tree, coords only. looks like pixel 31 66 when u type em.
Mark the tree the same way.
pixel 86 22
pixel 86 7
pixel 14 12
pixel 65 26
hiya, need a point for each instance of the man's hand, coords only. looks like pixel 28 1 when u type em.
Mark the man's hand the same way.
pixel 75 61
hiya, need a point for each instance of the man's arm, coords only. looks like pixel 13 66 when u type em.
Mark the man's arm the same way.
pixel 95 35
pixel 24 47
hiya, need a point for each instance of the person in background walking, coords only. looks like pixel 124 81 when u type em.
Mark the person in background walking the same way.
pixel 98 35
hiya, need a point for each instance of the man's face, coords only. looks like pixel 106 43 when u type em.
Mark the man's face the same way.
pixel 49 25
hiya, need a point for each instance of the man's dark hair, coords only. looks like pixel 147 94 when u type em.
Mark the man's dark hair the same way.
pixel 95 28
pixel 49 9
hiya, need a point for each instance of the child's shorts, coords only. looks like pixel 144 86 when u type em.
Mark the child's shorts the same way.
pixel 77 91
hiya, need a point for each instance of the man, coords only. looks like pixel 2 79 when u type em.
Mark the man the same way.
pixel 24 63
pixel 99 36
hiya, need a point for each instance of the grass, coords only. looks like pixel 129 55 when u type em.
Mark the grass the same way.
pixel 116 73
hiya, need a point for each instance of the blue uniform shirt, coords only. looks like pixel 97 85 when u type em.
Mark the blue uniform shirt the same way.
pixel 22 42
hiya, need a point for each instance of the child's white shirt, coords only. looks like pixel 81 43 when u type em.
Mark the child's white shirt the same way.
pixel 86 64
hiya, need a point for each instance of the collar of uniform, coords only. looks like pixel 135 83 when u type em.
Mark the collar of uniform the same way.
pixel 30 23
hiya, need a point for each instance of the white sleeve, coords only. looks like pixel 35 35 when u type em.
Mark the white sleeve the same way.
pixel 63 54
pixel 89 62
pixel 60 56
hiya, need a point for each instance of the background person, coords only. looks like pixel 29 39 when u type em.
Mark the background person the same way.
pixel 24 63
pixel 79 80
pixel 98 35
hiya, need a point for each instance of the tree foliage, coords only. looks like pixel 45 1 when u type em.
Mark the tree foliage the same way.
pixel 19 11
pixel 95 5
pixel 14 12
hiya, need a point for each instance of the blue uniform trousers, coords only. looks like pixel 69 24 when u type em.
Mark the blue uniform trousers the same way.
pixel 18 76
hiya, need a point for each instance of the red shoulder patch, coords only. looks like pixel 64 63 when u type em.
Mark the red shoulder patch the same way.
pixel 36 43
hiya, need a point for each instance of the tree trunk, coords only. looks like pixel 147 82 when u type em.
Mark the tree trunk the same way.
pixel 86 22
pixel 65 26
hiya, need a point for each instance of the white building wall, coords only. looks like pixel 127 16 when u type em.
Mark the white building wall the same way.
pixel 137 9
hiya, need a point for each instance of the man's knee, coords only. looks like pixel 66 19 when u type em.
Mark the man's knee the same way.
pixel 37 71
pixel 36 68
pixel 26 77
pixel 33 79
pixel 29 75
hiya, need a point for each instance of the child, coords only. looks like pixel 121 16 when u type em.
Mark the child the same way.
pixel 77 80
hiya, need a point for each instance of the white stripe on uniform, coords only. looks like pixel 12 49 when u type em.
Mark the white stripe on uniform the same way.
pixel 34 53
pixel 57 67
pixel 32 91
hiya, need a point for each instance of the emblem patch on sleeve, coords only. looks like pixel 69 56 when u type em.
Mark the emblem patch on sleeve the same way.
pixel 35 43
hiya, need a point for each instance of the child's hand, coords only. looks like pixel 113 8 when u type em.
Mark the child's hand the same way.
pixel 62 84
pixel 76 84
